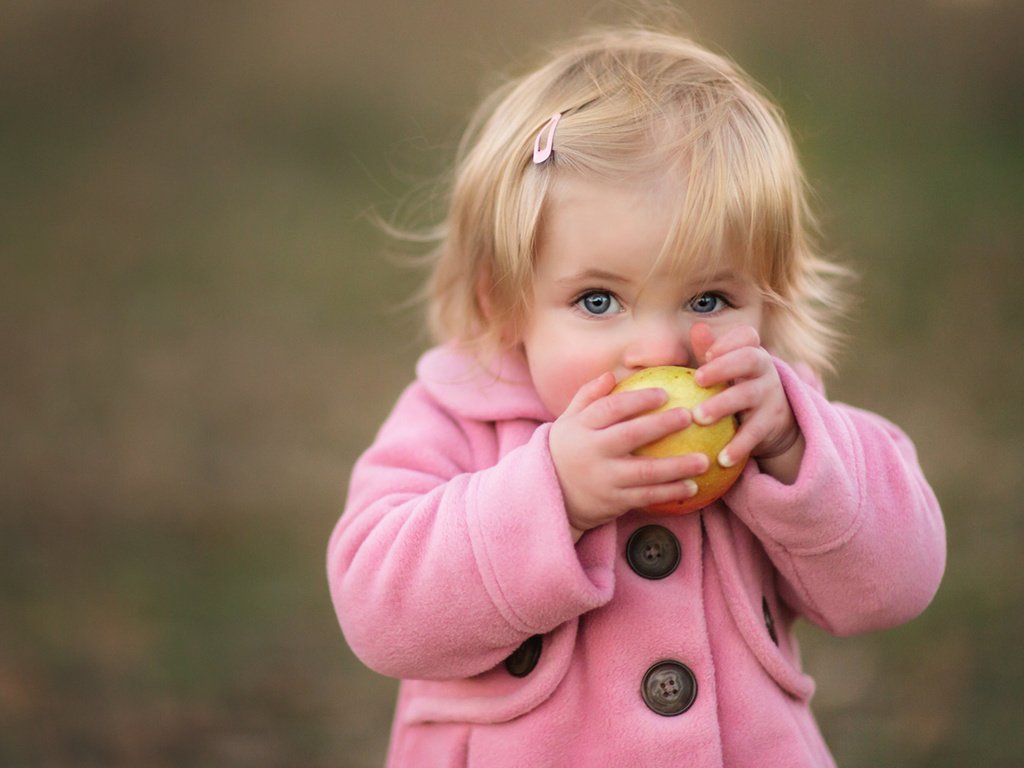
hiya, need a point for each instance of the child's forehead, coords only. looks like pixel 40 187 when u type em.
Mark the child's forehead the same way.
pixel 626 234
pixel 573 189
pixel 648 209
pixel 586 216
pixel 615 213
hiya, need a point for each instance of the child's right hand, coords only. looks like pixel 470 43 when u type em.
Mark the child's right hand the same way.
pixel 591 446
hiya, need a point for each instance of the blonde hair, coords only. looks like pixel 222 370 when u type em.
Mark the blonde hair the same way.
pixel 633 103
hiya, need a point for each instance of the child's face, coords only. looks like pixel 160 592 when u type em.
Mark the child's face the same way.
pixel 597 304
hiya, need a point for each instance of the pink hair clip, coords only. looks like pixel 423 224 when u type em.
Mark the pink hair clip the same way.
pixel 541 154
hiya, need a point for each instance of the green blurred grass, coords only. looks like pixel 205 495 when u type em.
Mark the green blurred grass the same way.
pixel 200 333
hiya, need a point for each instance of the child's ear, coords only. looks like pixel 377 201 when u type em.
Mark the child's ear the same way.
pixel 483 295
pixel 500 322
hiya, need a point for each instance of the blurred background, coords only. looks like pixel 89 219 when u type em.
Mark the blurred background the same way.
pixel 202 327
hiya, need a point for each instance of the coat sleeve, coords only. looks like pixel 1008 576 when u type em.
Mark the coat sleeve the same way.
pixel 439 569
pixel 858 538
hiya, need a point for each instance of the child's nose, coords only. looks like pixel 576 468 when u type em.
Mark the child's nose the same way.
pixel 658 344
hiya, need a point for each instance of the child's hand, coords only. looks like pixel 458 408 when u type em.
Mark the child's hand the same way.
pixel 591 446
pixel 768 430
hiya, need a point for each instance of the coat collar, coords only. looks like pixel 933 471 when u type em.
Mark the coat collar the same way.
pixel 499 390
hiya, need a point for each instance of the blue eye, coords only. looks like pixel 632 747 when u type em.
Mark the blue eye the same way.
pixel 706 303
pixel 599 303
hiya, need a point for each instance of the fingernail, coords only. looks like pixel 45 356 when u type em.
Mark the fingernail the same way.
pixel 700 417
pixel 724 459
pixel 691 488
pixel 662 394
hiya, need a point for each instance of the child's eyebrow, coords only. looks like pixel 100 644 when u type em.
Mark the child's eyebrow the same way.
pixel 593 274
pixel 723 276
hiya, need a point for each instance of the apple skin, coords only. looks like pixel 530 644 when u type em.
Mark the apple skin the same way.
pixel 683 391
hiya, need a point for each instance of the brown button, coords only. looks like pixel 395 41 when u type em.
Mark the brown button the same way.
pixel 653 551
pixel 669 688
pixel 769 621
pixel 525 657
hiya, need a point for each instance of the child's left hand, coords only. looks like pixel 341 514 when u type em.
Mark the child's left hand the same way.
pixel 768 430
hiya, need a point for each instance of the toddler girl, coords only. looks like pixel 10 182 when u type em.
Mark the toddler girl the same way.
pixel 634 202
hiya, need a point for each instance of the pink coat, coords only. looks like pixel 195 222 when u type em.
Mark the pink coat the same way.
pixel 668 648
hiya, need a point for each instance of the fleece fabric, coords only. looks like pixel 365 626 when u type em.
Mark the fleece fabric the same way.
pixel 454 549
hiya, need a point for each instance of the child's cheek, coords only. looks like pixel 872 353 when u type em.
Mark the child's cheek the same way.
pixel 572 372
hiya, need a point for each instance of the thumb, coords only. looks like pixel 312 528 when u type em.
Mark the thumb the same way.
pixel 701 339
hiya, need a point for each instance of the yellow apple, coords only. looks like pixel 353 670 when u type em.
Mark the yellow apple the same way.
pixel 684 392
